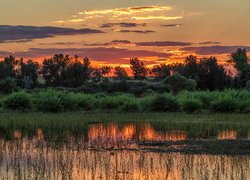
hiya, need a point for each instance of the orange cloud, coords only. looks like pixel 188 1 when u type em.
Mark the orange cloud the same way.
pixel 156 17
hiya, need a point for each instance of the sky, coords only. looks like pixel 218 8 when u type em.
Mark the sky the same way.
pixel 110 32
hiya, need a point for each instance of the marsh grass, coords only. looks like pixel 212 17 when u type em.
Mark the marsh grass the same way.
pixel 57 125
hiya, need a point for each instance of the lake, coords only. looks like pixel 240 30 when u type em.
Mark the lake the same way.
pixel 133 150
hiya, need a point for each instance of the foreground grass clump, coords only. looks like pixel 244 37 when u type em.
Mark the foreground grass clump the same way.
pixel 165 103
pixel 188 101
pixel 18 101
pixel 225 104
pixel 191 105
pixel 54 101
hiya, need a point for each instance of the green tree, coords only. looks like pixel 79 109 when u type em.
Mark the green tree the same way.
pixel 138 69
pixel 179 83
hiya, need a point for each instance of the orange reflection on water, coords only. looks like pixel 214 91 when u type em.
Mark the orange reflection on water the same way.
pixel 129 131
pixel 39 134
pixel 17 134
pixel 176 136
pixel 150 134
pixel 227 134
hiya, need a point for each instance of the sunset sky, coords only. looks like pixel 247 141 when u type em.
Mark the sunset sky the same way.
pixel 113 31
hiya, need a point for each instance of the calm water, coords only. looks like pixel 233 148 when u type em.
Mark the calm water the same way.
pixel 112 151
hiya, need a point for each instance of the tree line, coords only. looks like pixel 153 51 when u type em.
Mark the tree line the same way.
pixel 74 72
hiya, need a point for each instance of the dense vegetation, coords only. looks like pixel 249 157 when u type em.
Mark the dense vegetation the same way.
pixel 56 100
pixel 79 75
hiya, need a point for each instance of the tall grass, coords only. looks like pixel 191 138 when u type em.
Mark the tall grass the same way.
pixel 57 101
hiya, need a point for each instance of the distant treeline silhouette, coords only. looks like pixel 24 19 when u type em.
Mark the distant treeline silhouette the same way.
pixel 65 71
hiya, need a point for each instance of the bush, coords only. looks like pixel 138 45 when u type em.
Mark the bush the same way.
pixel 163 88
pixel 18 101
pixel 54 101
pixel 225 104
pixel 110 103
pixel 179 83
pixel 85 102
pixel 7 85
pixel 130 106
pixel 191 105
pixel 166 102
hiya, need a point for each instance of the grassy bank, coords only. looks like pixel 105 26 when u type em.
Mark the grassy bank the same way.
pixel 191 102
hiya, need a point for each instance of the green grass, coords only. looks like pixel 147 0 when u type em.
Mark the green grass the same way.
pixel 50 100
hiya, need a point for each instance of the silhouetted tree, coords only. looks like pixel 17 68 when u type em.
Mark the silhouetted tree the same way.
pixel 120 73
pixel 7 85
pixel 76 72
pixel 27 73
pixel 241 63
pixel 7 67
pixel 138 69
pixel 160 71
pixel 191 67
pixel 54 68
pixel 97 74
pixel 211 75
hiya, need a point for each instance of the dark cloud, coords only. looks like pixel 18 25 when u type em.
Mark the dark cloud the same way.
pixel 155 43
pixel 26 33
pixel 163 43
pixel 209 43
pixel 172 25
pixel 209 50
pixel 109 55
pixel 62 43
pixel 123 24
pixel 17 41
pixel 121 41
pixel 136 31
pixel 114 42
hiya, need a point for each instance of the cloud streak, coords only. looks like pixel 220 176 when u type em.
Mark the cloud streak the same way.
pixel 26 33
pixel 123 24
pixel 127 11
pixel 134 31
pixel 157 17
pixel 211 50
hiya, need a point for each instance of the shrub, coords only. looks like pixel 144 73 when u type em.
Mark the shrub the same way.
pixel 7 85
pixel 162 88
pixel 54 101
pixel 130 106
pixel 166 102
pixel 224 104
pixel 18 101
pixel 191 105
pixel 179 83
pixel 85 102
pixel 110 103
pixel 146 102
